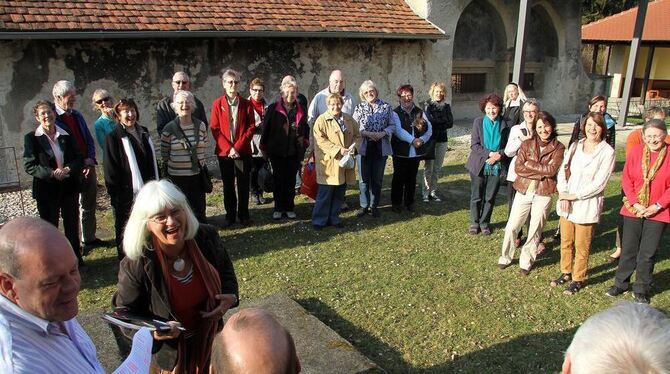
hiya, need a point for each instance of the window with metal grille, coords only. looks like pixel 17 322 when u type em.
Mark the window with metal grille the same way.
pixel 468 83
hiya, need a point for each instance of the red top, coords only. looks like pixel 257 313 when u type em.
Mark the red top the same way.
pixel 72 125
pixel 220 125
pixel 631 181
pixel 188 300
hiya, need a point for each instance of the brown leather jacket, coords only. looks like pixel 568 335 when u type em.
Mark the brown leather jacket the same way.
pixel 542 166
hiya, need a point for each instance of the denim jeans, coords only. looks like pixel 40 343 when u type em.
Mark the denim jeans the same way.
pixel 371 167
pixel 327 205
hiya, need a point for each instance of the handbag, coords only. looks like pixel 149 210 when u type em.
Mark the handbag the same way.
pixel 205 179
pixel 566 168
pixel 348 161
pixel 265 178
pixel 308 186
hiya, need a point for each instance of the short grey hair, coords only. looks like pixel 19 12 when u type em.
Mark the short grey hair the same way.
pixel 61 88
pixel 181 73
pixel 365 86
pixel 532 101
pixel 154 197
pixel 185 94
pixel 286 84
pixel 12 235
pixel 654 124
pixel 231 74
pixel 627 338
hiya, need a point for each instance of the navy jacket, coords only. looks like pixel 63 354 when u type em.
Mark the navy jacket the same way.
pixel 479 154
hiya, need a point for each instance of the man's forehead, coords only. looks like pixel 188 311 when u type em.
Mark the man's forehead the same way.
pixel 180 76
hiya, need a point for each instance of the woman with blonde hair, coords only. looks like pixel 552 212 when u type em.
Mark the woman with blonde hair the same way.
pixel 513 100
pixel 439 114
pixel 176 270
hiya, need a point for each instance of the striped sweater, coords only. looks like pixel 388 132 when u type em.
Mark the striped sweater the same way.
pixel 175 150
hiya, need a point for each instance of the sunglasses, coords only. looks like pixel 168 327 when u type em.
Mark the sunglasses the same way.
pixel 180 82
pixel 103 100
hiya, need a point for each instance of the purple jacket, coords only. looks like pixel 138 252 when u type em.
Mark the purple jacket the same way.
pixel 479 154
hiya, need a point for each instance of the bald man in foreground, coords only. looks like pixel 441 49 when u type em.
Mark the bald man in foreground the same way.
pixel 252 341
pixel 39 284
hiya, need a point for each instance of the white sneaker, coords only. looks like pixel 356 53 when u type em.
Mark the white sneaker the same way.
pixel 433 195
pixel 425 199
pixel 291 215
pixel 276 215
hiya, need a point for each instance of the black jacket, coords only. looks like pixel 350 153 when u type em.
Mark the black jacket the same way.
pixel 276 142
pixel 401 148
pixel 118 178
pixel 141 289
pixel 40 162
pixel 440 118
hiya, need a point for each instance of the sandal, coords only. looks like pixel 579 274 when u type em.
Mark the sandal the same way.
pixel 565 277
pixel 573 288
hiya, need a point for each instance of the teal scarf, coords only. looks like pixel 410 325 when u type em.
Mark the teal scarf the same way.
pixel 492 141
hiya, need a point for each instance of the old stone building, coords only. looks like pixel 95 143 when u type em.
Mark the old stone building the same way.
pixel 132 48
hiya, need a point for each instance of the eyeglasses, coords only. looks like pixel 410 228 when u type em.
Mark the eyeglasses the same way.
pixel 161 218
pixel 530 111
pixel 100 101
pixel 257 90
pixel 654 137
pixel 232 82
pixel 180 82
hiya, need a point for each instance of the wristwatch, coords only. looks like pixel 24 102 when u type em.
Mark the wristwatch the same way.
pixel 658 206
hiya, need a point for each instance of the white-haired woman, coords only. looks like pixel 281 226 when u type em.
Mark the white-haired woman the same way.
pixel 376 124
pixel 284 139
pixel 513 100
pixel 103 102
pixel 183 147
pixel 176 270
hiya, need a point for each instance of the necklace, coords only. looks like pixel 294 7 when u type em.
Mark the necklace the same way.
pixel 179 264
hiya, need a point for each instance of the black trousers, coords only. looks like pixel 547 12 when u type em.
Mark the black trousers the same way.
pixel 65 204
pixel 121 207
pixel 484 189
pixel 403 183
pixel 257 164
pixel 191 186
pixel 283 171
pixel 640 240
pixel 232 171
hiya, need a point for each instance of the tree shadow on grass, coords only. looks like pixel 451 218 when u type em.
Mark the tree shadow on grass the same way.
pixel 544 350
pixel 544 354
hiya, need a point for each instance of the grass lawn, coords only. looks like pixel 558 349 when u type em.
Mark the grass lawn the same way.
pixel 415 292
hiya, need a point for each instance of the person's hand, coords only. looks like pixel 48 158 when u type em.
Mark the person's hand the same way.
pixel 525 137
pixel 171 334
pixel 495 156
pixel 59 174
pixel 567 196
pixel 344 151
pixel 565 205
pixel 225 302
pixel 490 161
pixel 379 135
pixel 417 142
pixel 650 211
pixel 233 153
pixel 87 171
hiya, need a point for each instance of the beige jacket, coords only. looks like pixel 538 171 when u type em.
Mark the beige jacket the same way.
pixel 330 140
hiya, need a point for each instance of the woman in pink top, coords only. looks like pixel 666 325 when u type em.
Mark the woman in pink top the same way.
pixel 646 185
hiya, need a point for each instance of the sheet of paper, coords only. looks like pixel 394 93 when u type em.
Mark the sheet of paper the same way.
pixel 140 354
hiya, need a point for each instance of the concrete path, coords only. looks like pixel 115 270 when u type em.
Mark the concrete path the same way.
pixel 320 349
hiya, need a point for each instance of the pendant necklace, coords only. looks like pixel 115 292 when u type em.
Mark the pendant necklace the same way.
pixel 179 264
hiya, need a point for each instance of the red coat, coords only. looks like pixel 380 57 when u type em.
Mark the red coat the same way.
pixel 220 125
pixel 631 181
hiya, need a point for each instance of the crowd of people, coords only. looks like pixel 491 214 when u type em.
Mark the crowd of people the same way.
pixel 166 248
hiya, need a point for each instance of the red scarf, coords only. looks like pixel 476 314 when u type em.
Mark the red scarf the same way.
pixel 194 351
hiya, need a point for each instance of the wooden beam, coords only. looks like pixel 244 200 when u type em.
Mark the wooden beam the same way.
pixel 632 60
pixel 594 58
pixel 647 71
pixel 520 47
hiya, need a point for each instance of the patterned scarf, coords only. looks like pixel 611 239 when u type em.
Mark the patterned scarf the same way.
pixel 193 351
pixel 648 175
pixel 492 142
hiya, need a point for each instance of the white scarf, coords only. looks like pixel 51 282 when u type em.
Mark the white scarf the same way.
pixel 135 173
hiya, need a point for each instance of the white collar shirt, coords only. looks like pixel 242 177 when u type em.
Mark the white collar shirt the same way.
pixel 29 344
pixel 55 146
